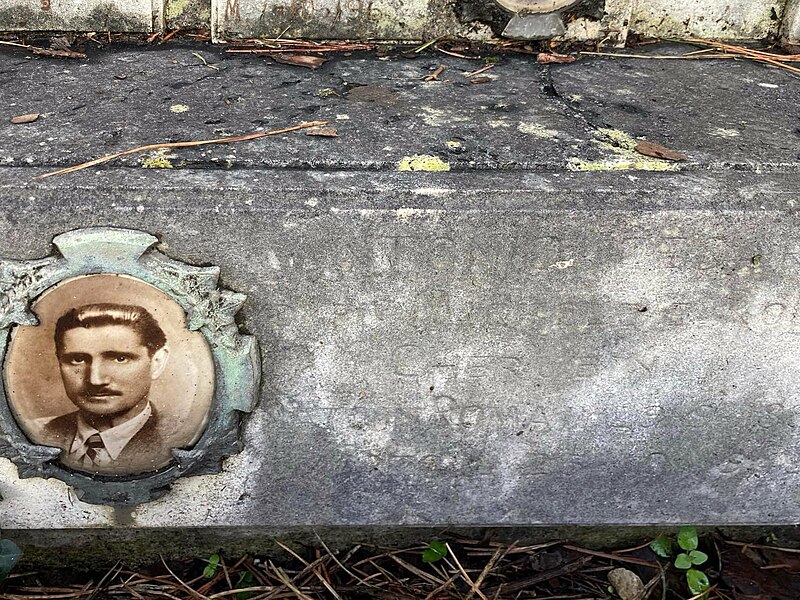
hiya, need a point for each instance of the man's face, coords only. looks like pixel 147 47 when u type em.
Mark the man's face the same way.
pixel 107 370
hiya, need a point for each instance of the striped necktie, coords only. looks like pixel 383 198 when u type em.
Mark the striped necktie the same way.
pixel 94 444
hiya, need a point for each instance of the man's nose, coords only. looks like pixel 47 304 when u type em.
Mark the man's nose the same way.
pixel 98 374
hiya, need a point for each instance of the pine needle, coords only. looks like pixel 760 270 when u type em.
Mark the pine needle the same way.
pixel 189 144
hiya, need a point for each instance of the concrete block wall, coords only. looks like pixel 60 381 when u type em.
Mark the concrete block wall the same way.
pixel 407 20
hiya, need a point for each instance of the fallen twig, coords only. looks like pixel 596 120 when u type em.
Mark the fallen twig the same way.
pixel 478 71
pixel 776 60
pixel 438 48
pixel 435 75
pixel 612 556
pixel 169 36
pixel 191 591
pixel 46 51
pixel 762 547
pixel 189 144
pixel 428 44
pixel 303 47
pixel 689 56
pixel 473 587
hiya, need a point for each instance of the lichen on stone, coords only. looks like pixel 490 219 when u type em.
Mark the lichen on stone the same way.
pixel 625 157
pixel 422 162
pixel 157 160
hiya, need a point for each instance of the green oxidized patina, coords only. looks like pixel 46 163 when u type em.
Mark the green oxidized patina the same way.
pixel 209 310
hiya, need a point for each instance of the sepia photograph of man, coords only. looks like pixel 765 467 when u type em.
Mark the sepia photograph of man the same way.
pixel 109 355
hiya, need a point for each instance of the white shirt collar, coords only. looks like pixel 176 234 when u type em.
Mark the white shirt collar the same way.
pixel 115 438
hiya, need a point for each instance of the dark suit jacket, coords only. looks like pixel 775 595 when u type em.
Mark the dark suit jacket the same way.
pixel 146 451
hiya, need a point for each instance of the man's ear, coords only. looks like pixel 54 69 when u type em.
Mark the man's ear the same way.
pixel 158 362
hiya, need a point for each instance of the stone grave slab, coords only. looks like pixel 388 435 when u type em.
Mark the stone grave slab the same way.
pixel 80 15
pixel 544 328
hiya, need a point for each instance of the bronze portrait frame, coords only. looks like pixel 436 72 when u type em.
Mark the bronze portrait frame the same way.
pixel 209 310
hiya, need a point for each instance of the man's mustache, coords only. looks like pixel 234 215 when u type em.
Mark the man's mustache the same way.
pixel 100 391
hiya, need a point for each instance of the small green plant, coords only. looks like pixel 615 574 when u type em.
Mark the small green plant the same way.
pixel 9 555
pixel 246 580
pixel 436 550
pixel 211 567
pixel 687 560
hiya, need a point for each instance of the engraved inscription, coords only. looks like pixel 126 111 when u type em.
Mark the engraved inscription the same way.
pixel 233 10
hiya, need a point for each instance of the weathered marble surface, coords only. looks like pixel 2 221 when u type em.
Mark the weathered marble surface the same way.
pixel 511 342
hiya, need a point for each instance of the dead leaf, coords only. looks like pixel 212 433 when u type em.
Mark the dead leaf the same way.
pixel 547 58
pixel 300 60
pixel 481 79
pixel 29 118
pixel 57 53
pixel 627 584
pixel 323 132
pixel 658 151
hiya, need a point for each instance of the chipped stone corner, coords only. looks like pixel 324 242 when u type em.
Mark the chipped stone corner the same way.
pixel 790 28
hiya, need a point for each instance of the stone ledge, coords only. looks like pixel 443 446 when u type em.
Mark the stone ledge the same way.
pixel 461 349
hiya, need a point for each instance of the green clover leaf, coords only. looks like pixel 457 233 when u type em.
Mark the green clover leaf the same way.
pixel 682 561
pixel 698 558
pixel 687 538
pixel 697 580
pixel 211 567
pixel 662 546
pixel 436 550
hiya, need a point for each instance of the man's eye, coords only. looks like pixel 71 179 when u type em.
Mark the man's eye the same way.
pixel 77 360
pixel 121 359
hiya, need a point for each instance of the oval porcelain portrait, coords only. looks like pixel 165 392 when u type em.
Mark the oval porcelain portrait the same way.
pixel 111 375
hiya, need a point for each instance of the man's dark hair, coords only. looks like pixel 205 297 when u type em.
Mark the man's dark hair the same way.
pixel 97 315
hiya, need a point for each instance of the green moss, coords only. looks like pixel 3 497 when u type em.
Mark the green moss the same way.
pixel 175 8
pixel 422 162
pixel 157 160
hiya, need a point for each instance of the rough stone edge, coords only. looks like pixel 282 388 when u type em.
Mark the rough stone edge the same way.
pixel 209 310
pixel 102 548
pixel 790 27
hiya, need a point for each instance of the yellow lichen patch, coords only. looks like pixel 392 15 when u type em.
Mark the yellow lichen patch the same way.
pixel 453 145
pixel 432 116
pixel 157 160
pixel 175 8
pixel 624 147
pixel 619 138
pixel 422 162
pixel 536 129
pixel 179 108
pixel 621 164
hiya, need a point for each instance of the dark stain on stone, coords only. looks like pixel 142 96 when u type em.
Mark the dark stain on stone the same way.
pixel 376 95
pixel 489 13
